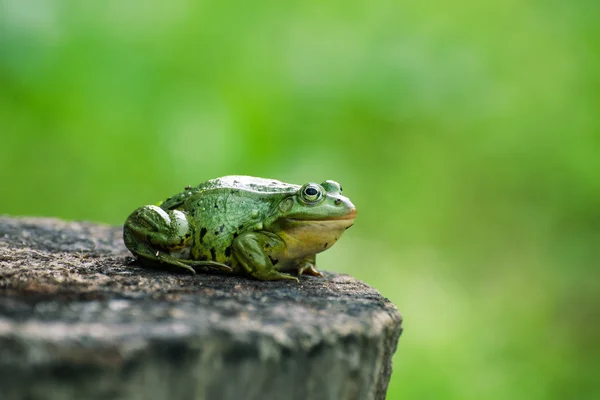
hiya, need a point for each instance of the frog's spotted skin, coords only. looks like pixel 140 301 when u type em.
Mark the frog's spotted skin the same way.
pixel 240 224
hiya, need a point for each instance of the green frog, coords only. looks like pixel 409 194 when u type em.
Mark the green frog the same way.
pixel 244 225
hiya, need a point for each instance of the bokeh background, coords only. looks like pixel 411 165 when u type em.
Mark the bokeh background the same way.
pixel 467 134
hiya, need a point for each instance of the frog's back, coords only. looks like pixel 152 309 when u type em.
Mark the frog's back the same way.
pixel 249 185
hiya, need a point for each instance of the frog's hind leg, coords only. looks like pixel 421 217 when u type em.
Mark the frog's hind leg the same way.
pixel 152 233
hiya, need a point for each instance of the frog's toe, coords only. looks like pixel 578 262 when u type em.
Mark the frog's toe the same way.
pixel 208 265
pixel 310 269
pixel 273 276
pixel 188 268
pixel 167 259
pixel 289 278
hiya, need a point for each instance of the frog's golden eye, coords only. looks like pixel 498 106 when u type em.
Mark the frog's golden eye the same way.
pixel 311 193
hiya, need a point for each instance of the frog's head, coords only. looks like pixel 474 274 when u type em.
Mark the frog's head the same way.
pixel 313 219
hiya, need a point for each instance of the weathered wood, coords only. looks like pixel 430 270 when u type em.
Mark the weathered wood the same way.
pixel 80 320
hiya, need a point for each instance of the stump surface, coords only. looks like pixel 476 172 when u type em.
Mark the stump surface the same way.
pixel 80 319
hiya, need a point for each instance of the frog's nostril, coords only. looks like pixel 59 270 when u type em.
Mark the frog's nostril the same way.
pixel 337 202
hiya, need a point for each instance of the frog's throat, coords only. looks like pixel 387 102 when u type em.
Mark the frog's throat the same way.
pixel 306 237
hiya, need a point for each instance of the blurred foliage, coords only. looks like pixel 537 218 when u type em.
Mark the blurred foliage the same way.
pixel 467 134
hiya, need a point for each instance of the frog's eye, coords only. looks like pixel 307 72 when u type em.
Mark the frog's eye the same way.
pixel 311 193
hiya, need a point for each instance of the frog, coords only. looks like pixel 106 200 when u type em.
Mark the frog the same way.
pixel 242 225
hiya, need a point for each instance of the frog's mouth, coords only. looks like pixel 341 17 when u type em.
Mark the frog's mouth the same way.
pixel 346 217
pixel 312 225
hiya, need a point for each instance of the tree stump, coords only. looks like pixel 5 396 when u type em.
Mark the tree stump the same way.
pixel 79 319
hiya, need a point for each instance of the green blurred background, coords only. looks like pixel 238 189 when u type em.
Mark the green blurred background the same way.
pixel 467 134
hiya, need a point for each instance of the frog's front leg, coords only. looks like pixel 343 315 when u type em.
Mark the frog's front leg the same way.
pixel 253 249
pixel 307 266
pixel 156 236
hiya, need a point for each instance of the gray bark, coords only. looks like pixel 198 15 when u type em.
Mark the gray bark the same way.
pixel 79 319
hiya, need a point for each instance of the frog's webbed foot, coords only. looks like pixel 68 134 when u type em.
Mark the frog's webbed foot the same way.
pixel 159 258
pixel 165 258
pixel 206 265
pixel 307 267
pixel 153 258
